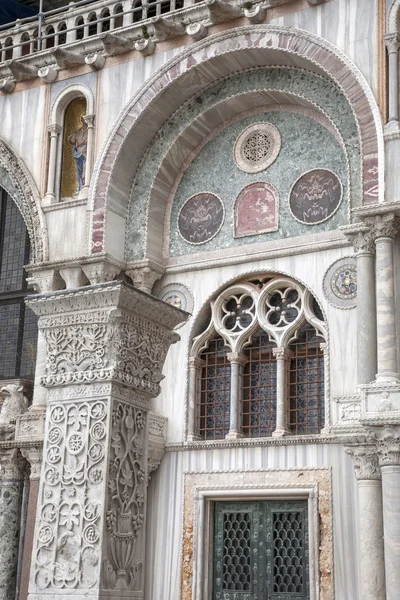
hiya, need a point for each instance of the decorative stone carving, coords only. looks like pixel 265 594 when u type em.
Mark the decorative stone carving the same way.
pixel 101 271
pixel 30 426
pixel 34 456
pixel 340 283
pixel 45 280
pixel 315 196
pixel 201 218
pixel 27 200
pixel 12 465
pixel 366 464
pixel 383 225
pixel 364 243
pixel 178 295
pixel 157 439
pixel 257 147
pixel 256 209
pixel 392 42
pixel 388 446
pixel 144 276
pixel 92 498
pixel 197 31
pixel 14 403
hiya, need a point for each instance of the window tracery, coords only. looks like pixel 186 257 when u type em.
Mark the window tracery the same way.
pixel 258 368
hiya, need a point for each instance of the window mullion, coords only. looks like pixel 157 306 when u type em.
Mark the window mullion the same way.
pixel 195 366
pixel 237 361
pixel 282 356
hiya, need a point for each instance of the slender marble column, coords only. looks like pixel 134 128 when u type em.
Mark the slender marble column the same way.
pixel 364 247
pixel 389 460
pixel 11 488
pixel 392 46
pixel 282 358
pixel 372 563
pixel 195 366
pixel 51 176
pixel 384 228
pixel 89 119
pixel 237 361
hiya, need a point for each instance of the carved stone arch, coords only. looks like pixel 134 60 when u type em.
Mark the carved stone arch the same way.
pixel 20 186
pixel 393 17
pixel 186 75
pixel 76 90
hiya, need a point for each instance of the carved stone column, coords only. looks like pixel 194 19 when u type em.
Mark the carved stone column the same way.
pixel 237 361
pixel 54 131
pixel 195 366
pixel 282 357
pixel 389 460
pixel 106 346
pixel 89 120
pixel 372 564
pixel 392 46
pixel 12 473
pixel 384 228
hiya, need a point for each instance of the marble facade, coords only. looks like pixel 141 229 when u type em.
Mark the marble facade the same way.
pixel 106 486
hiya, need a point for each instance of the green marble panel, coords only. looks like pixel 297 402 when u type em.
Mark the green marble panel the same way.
pixel 10 516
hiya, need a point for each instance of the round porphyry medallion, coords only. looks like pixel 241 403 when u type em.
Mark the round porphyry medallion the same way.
pixel 315 196
pixel 201 218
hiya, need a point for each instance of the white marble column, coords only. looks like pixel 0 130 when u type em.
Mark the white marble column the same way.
pixel 50 197
pixel 389 460
pixel 106 346
pixel 392 46
pixel 12 473
pixel 384 228
pixel 282 358
pixel 89 120
pixel 372 564
pixel 237 361
pixel 364 247
pixel 195 366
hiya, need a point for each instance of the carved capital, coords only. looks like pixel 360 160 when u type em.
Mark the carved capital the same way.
pixel 34 456
pixel 89 120
pixel 364 243
pixel 282 353
pixel 157 439
pixel 383 225
pixel 392 41
pixel 12 465
pixel 144 277
pixel 54 129
pixel 365 459
pixel 388 447
pixel 237 358
pixel 196 363
pixel 101 271
pixel 45 280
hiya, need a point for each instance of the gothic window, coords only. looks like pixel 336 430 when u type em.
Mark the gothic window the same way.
pixel 258 399
pixel 258 368
pixel 261 550
pixel 214 392
pixel 306 382
pixel 18 324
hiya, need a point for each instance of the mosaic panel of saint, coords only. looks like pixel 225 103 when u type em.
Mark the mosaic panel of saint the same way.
pixel 74 149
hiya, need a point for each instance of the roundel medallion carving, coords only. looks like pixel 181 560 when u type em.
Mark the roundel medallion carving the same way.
pixel 201 218
pixel 315 196
pixel 257 147
pixel 340 283
pixel 178 295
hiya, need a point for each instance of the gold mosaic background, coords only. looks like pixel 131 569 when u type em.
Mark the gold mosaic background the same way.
pixel 72 122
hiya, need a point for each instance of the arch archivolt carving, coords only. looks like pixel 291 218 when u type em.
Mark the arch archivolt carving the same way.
pixel 71 92
pixel 19 184
pixel 156 101
pixel 392 19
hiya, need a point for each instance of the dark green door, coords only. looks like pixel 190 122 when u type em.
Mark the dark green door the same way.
pixel 261 550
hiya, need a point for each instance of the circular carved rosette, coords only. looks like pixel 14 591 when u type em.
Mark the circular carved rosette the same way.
pixel 340 283
pixel 201 218
pixel 316 196
pixel 257 147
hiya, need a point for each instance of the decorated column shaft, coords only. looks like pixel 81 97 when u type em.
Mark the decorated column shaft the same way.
pixel 372 564
pixel 106 345
pixel 12 472
pixel 237 361
pixel 392 45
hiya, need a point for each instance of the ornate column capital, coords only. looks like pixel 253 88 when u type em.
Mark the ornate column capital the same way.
pixel 195 362
pixel 144 274
pixel 361 238
pixel 282 353
pixel 12 465
pixel 382 226
pixel 388 447
pixel 54 129
pixel 237 358
pixel 365 460
pixel 89 120
pixel 392 42
pixel 34 456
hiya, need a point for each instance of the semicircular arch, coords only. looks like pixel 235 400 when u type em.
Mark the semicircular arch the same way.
pixel 191 71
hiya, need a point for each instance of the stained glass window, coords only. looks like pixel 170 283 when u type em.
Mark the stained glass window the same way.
pixel 18 324
pixel 306 383
pixel 214 391
pixel 259 388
